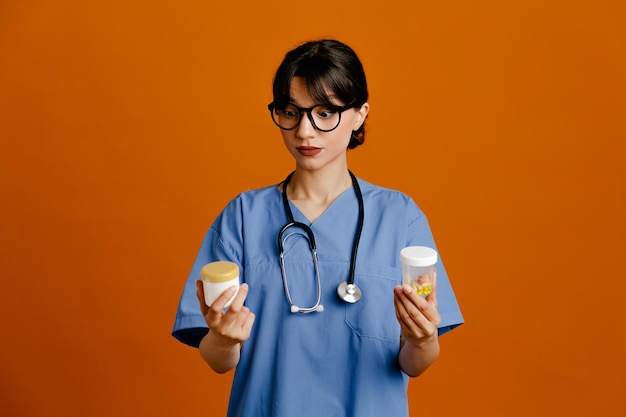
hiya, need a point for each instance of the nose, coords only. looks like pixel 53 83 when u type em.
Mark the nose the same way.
pixel 305 129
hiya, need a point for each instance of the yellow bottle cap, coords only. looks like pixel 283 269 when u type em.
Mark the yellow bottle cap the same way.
pixel 220 271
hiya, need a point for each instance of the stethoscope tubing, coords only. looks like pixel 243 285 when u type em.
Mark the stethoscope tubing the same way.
pixel 347 290
pixel 294 308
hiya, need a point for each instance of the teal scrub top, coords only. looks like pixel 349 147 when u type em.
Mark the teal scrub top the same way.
pixel 339 362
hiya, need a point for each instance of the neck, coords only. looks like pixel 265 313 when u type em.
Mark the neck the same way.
pixel 320 187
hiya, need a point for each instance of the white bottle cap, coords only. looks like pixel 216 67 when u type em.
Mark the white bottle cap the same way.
pixel 418 256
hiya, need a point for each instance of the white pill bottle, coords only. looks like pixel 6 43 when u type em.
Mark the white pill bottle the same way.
pixel 418 268
pixel 216 278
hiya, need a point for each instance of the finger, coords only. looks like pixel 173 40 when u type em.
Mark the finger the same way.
pixel 406 312
pixel 237 312
pixel 247 326
pixel 412 326
pixel 220 302
pixel 240 298
pixel 249 322
pixel 416 312
pixel 237 325
pixel 239 319
pixel 401 315
pixel 410 296
pixel 242 328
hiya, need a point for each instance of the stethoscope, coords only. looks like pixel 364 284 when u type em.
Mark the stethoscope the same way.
pixel 347 290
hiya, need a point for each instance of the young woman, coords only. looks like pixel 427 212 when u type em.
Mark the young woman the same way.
pixel 297 346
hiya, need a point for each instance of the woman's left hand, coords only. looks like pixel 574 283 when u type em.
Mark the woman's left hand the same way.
pixel 418 316
pixel 419 320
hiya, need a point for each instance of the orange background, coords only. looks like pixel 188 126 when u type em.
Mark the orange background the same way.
pixel 127 126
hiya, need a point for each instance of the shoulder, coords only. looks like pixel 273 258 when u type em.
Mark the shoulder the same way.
pixel 377 191
pixel 389 199
pixel 250 208
pixel 251 199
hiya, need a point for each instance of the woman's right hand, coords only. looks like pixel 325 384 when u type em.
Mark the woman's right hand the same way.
pixel 227 329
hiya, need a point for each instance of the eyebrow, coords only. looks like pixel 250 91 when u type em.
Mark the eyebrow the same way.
pixel 329 97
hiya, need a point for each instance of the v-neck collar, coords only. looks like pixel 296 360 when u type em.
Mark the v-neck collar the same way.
pixel 355 188
pixel 335 202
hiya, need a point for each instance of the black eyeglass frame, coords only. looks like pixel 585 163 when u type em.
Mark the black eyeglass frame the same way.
pixel 339 109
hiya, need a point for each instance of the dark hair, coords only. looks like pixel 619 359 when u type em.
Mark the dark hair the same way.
pixel 324 65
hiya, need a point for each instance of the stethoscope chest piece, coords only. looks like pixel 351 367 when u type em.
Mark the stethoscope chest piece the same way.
pixel 350 293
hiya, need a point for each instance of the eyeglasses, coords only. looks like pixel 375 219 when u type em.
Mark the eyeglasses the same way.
pixel 323 117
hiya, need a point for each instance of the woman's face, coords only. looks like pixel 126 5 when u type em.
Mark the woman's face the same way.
pixel 311 148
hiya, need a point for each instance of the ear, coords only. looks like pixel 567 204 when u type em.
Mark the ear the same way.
pixel 361 115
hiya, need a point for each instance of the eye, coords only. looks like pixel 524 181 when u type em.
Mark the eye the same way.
pixel 324 112
pixel 287 113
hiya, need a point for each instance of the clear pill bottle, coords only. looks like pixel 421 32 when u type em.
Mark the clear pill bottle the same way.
pixel 418 268
pixel 216 278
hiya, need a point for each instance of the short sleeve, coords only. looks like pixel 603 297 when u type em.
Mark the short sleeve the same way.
pixel 420 235
pixel 190 326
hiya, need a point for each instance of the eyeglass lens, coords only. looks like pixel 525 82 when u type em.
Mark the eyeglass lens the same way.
pixel 322 117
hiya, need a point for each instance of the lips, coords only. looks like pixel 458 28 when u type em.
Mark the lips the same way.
pixel 308 150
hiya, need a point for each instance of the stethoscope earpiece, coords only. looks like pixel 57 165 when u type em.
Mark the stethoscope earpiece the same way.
pixel 295 309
